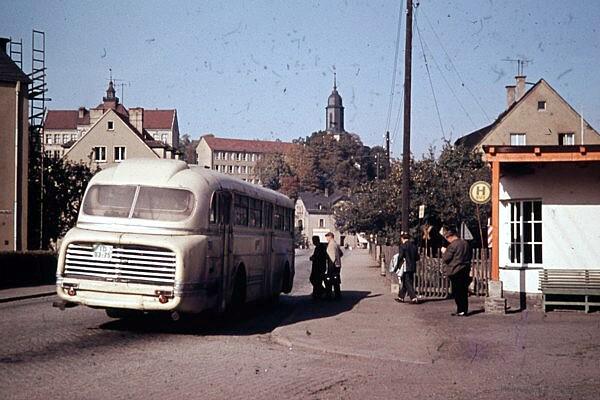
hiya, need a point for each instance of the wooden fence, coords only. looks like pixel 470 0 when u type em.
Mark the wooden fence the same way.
pixel 430 281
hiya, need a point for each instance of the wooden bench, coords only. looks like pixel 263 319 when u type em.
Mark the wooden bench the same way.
pixel 582 283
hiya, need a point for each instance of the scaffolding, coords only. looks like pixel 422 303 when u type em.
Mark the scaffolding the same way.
pixel 37 111
pixel 16 52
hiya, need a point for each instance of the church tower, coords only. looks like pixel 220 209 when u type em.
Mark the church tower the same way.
pixel 334 112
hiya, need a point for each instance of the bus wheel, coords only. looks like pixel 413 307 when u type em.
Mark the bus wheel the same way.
pixel 238 295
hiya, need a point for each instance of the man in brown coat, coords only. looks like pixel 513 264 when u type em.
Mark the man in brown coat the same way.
pixel 457 257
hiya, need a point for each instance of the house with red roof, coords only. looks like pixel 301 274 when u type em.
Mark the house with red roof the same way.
pixel 237 157
pixel 110 132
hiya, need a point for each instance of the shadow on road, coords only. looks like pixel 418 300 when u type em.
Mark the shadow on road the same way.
pixel 253 319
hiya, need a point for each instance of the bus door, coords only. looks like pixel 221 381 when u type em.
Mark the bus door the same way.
pixel 226 231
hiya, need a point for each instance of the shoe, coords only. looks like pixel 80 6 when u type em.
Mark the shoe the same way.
pixel 414 301
pixel 399 300
pixel 460 314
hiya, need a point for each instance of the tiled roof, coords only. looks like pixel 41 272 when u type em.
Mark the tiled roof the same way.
pixel 243 145
pixel 9 71
pixel 158 119
pixel 65 119
pixel 312 200
pixel 120 108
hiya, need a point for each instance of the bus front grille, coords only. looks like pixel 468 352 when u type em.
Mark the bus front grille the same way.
pixel 120 263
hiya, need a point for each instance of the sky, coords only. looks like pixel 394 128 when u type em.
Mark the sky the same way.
pixel 264 69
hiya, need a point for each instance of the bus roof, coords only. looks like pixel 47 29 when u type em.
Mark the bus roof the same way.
pixel 176 173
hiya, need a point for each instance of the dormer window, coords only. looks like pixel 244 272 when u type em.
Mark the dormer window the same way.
pixel 542 105
pixel 110 125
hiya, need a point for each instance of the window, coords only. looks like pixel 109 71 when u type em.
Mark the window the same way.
pixel 156 136
pixel 243 169
pixel 321 223
pixel 566 139
pixel 230 169
pixel 226 156
pixel 253 156
pixel 517 139
pixel 218 155
pixel 268 215
pixel 219 208
pixel 247 156
pixel 49 139
pixel 239 156
pixel 99 153
pixel 65 138
pixel 56 154
pixel 541 105
pixel 525 232
pixel 240 210
pixel 300 224
pixel 119 153
pixel 255 213
pixel 110 125
pixel 237 169
pixel 56 138
pixel 73 136
pixel 164 137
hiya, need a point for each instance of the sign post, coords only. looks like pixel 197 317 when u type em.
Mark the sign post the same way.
pixel 480 193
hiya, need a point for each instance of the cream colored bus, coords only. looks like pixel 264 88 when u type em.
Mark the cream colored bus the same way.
pixel 159 235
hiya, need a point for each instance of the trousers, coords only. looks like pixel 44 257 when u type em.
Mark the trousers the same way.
pixel 408 285
pixel 460 289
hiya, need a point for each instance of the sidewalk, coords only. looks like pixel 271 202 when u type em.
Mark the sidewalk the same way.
pixel 27 292
pixel 368 323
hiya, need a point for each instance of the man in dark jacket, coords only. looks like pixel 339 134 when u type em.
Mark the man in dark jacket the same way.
pixel 457 257
pixel 319 265
pixel 409 254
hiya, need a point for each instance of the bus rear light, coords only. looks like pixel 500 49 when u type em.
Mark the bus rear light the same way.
pixel 164 296
pixel 71 291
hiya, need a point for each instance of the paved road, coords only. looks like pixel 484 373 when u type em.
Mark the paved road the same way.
pixel 81 353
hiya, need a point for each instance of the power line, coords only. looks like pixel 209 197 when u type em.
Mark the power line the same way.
pixel 462 82
pixel 393 88
pixel 437 109
pixel 449 86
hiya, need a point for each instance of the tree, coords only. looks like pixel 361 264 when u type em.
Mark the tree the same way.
pixel 64 186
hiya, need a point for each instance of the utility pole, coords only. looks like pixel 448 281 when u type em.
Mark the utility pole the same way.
pixel 406 137
pixel 387 154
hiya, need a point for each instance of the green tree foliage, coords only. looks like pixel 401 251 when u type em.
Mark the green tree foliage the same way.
pixel 440 183
pixel 64 185
pixel 318 162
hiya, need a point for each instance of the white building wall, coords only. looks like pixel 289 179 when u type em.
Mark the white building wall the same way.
pixel 570 195
pixel 204 153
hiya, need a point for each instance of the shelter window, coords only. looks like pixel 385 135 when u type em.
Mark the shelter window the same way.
pixel 525 232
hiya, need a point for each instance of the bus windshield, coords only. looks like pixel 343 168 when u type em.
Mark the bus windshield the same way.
pixel 139 202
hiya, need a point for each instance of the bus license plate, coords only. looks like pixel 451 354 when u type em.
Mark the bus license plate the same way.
pixel 102 252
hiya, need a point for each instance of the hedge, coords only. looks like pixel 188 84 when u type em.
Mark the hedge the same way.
pixel 27 268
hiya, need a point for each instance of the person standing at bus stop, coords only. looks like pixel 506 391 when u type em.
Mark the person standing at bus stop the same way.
pixel 457 257
pixel 319 266
pixel 334 266
pixel 409 254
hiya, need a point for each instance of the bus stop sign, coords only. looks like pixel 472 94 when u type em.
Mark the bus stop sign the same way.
pixel 480 192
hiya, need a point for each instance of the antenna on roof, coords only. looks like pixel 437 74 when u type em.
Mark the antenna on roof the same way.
pixel 521 62
pixel 119 82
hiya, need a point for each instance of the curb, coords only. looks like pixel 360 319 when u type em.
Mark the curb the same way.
pixel 25 297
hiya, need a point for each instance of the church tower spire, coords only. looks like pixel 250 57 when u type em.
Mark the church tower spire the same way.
pixel 334 112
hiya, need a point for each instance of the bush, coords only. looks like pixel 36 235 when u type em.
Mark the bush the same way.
pixel 28 268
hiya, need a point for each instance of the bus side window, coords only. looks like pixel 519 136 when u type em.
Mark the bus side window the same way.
pixel 240 209
pixel 214 208
pixel 224 207
pixel 268 215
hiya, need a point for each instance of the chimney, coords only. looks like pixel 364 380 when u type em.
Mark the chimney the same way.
pixel 136 118
pixel 520 89
pixel 510 95
pixel 3 43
